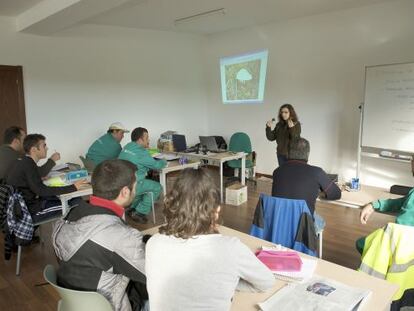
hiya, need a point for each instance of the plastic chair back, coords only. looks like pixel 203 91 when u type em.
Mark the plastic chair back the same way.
pixel 74 300
pixel 240 142
pixel 278 220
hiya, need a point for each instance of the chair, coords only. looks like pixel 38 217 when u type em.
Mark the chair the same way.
pixel 19 247
pixel 240 142
pixel 23 225
pixel 287 222
pixel 75 300
pixel 88 164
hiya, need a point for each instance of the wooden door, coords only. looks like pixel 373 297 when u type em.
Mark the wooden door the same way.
pixel 12 111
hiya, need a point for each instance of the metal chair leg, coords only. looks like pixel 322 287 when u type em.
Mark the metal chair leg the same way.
pixel 19 254
pixel 320 243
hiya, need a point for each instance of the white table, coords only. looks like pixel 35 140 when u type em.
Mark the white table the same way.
pixel 382 291
pixel 358 199
pixel 87 190
pixel 65 198
pixel 220 157
pixel 173 166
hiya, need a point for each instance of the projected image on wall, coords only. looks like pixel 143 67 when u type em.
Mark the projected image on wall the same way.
pixel 243 78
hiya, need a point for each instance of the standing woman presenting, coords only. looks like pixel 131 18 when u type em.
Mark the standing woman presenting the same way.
pixel 286 130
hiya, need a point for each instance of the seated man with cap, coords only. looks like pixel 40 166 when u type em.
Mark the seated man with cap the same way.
pixel 107 147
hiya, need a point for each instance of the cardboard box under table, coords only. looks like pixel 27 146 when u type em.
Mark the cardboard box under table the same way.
pixel 236 194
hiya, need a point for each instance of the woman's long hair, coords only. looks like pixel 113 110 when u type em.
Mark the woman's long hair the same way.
pixel 190 208
pixel 292 113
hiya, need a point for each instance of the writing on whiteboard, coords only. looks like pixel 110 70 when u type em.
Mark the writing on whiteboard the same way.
pixel 389 107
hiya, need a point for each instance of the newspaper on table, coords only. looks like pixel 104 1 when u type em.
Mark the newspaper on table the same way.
pixel 318 293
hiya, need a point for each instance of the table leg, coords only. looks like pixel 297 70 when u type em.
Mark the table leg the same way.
pixel 221 181
pixel 65 207
pixel 243 170
pixel 163 182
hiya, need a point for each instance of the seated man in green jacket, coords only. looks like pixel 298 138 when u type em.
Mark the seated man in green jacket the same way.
pixel 107 147
pixel 404 207
pixel 137 153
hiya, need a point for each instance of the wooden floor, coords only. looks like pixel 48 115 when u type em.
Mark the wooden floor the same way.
pixel 27 292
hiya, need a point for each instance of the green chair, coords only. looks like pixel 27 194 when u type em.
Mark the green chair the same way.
pixel 240 142
pixel 88 164
pixel 75 300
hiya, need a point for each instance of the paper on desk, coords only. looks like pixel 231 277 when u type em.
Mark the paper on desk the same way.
pixel 56 181
pixel 167 157
pixel 305 273
pixel 58 167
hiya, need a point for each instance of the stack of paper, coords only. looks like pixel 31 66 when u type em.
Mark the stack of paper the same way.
pixel 59 167
pixel 167 156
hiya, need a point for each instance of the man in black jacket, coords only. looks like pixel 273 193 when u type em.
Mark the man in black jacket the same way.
pixel 40 199
pixel 13 149
pixel 296 179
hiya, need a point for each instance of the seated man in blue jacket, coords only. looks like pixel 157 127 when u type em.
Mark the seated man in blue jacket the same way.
pixel 296 179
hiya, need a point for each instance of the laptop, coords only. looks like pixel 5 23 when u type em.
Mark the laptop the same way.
pixel 210 143
pixel 180 144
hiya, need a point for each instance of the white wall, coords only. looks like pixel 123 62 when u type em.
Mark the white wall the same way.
pixel 317 65
pixel 81 80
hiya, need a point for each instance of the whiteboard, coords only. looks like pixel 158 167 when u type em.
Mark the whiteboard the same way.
pixel 388 119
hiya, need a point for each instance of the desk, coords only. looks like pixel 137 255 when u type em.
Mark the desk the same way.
pixel 221 157
pixel 382 291
pixel 64 198
pixel 171 167
pixel 358 199
pixel 87 190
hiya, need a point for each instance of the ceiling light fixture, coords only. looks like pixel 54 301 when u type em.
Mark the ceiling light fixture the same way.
pixel 182 20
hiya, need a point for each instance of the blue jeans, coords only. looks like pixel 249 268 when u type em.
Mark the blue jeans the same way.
pixel 281 159
pixel 320 223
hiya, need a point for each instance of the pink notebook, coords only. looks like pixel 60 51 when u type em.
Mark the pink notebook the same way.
pixel 280 260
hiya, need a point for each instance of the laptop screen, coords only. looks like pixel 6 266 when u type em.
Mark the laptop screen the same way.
pixel 209 142
pixel 179 142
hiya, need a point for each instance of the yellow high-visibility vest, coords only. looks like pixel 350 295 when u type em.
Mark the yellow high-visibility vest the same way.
pixel 389 254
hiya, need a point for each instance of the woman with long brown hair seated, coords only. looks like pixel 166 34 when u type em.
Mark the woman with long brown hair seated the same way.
pixel 189 264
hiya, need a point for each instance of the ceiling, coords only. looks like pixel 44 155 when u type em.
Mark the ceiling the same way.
pixel 161 14
pixel 15 7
